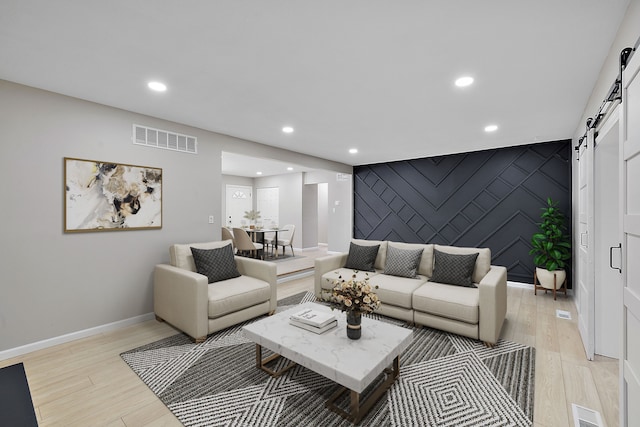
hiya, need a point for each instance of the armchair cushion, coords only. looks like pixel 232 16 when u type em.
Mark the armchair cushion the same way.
pixel 362 258
pixel 217 264
pixel 453 269
pixel 180 254
pixel 236 294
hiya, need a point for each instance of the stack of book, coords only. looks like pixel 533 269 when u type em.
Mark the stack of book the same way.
pixel 314 320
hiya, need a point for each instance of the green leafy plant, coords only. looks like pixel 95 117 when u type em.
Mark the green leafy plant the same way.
pixel 551 245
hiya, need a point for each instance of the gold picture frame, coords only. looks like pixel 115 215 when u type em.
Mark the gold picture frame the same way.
pixel 109 196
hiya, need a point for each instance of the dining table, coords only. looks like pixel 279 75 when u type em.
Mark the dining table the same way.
pixel 254 232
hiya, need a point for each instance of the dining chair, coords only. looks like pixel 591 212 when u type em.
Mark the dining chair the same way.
pixel 286 238
pixel 227 235
pixel 245 245
pixel 268 241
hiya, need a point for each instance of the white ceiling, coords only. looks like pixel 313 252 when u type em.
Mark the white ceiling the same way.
pixel 373 75
pixel 241 165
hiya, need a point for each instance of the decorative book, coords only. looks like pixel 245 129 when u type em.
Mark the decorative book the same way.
pixel 313 317
pixel 315 329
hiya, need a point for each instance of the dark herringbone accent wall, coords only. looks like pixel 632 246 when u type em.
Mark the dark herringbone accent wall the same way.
pixel 488 199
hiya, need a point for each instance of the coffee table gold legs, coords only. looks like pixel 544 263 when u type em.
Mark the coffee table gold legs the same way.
pixel 358 410
pixel 262 363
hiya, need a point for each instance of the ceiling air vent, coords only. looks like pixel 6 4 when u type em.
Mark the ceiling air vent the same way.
pixel 157 138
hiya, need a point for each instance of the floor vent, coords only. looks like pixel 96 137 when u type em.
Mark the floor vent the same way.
pixel 585 417
pixel 158 138
pixel 563 314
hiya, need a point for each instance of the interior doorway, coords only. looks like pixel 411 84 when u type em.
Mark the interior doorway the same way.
pixel 607 280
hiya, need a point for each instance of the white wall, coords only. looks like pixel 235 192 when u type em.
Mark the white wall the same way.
pixel 323 212
pixel 310 216
pixel 340 216
pixel 55 283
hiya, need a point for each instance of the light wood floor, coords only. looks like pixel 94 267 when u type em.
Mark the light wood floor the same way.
pixel 86 383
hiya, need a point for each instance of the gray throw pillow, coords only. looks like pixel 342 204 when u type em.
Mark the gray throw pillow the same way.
pixel 217 264
pixel 362 258
pixel 453 269
pixel 402 262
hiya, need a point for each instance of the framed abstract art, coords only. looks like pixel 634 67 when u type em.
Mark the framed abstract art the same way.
pixel 107 196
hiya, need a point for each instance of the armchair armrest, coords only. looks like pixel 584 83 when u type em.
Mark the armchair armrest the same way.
pixel 324 265
pixel 181 298
pixel 493 304
pixel 262 270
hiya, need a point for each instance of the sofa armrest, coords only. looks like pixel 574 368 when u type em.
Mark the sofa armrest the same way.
pixel 181 298
pixel 493 304
pixel 262 270
pixel 324 265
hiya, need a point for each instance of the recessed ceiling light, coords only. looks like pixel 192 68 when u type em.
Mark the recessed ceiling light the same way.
pixel 464 81
pixel 287 129
pixel 157 86
pixel 289 168
pixel 353 150
pixel 258 173
pixel 491 128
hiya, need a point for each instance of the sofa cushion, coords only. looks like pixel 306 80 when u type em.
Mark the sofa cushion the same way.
pixel 483 263
pixel 454 302
pixel 217 264
pixel 402 262
pixel 453 269
pixel 395 290
pixel 180 254
pixel 426 262
pixel 236 294
pixel 382 251
pixel 362 258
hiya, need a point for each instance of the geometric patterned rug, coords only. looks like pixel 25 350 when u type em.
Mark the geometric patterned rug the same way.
pixel 445 380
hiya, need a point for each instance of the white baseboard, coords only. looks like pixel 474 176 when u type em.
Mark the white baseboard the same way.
pixel 39 345
pixel 520 285
pixel 295 276
pixel 529 286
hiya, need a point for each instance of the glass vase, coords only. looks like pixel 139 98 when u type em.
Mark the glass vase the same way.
pixel 354 321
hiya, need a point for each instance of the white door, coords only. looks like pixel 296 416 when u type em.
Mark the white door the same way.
pixel 608 281
pixel 630 220
pixel 268 203
pixel 238 200
pixel 585 304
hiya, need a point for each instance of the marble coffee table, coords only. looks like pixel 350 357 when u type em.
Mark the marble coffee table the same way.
pixel 353 364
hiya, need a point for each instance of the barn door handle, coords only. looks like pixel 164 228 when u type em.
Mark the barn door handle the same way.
pixel 582 244
pixel 611 257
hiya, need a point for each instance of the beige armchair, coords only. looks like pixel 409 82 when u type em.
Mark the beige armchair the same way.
pixel 185 299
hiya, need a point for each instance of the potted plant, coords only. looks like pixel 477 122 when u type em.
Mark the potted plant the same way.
pixel 551 247
pixel 252 216
pixel 354 296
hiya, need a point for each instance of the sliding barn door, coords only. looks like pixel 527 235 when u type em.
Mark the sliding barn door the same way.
pixel 630 208
pixel 585 294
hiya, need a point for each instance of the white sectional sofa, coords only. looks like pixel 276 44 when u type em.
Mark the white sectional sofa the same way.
pixel 476 310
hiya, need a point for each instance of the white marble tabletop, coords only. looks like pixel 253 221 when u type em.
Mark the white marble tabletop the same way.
pixel 351 363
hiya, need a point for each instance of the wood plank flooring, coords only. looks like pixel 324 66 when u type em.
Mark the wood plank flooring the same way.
pixel 86 383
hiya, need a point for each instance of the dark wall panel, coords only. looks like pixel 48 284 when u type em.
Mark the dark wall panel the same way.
pixel 488 199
